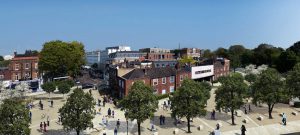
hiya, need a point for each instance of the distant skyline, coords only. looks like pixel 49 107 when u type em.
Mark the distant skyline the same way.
pixel 98 24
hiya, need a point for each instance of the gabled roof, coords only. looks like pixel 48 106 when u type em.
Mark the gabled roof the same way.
pixel 151 73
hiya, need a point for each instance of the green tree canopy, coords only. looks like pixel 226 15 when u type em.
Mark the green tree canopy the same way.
pixel 1 58
pixel 189 100
pixel 208 54
pixel 14 118
pixel 286 61
pixel 78 112
pixel 64 88
pixel 269 89
pixel 187 60
pixel 222 52
pixel 295 48
pixel 49 87
pixel 231 93
pixel 235 53
pixel 140 103
pixel 293 81
pixel 251 78
pixel 266 54
pixel 59 58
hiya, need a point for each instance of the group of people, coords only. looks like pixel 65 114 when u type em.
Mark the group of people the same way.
pixel 43 126
pixel 166 106
pixel 162 119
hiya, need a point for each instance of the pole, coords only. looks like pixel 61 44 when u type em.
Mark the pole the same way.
pixel 127 126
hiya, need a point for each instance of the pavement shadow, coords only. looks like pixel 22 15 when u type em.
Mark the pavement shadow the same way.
pixel 296 133
pixel 55 132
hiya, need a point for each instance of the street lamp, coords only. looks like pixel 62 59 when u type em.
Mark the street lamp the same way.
pixel 126 120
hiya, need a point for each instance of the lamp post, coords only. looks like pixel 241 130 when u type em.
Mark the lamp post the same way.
pixel 127 125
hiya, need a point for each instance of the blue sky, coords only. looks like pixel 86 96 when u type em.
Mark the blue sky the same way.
pixel 206 24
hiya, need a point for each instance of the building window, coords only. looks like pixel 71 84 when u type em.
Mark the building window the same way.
pixel 36 65
pixel 16 77
pixel 202 71
pixel 171 88
pixel 181 77
pixel 172 78
pixel 164 80
pixel 26 65
pixel 17 66
pixel 155 81
pixel 163 91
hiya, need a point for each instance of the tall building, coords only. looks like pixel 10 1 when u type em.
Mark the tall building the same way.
pixel 157 54
pixel 24 66
pixel 104 55
pixel 221 67
pixel 92 57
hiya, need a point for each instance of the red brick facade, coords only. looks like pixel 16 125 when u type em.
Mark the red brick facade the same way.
pixel 221 68
pixel 23 68
pixel 159 56
pixel 5 74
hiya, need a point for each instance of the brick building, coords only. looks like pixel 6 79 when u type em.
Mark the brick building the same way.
pixel 5 74
pixel 157 54
pixel 221 67
pixel 163 80
pixel 24 66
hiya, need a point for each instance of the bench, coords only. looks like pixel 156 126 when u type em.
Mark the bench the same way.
pixel 246 120
pixel 238 113
pixel 261 118
pixel 200 127
pixel 176 131
pixel 295 113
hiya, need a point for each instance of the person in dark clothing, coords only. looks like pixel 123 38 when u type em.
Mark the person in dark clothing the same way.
pixel 118 123
pixel 42 106
pixel 51 103
pixel 163 119
pixel 243 130
pixel 115 131
pixel 41 126
pixel 103 103
pixel 245 110
pixel 249 108
pixel 213 114
pixel 160 119
pixel 109 112
pixel 45 127
pixel 30 116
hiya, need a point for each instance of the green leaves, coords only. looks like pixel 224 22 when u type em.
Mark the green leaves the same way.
pixel 59 58
pixel 231 93
pixel 269 89
pixel 49 87
pixel 78 112
pixel 293 81
pixel 140 103
pixel 64 88
pixel 14 118
pixel 190 99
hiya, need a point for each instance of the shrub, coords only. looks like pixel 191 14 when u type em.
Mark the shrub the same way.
pixel 297 104
pixel 162 96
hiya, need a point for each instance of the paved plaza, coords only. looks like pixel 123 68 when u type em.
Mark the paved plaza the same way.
pixel 254 126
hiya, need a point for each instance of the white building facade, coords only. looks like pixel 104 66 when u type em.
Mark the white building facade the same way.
pixel 93 57
pixel 199 72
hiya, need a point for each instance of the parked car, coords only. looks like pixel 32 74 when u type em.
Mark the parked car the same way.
pixel 87 86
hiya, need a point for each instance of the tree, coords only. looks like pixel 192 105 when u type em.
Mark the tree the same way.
pixel 250 78
pixel 208 54
pixel 1 58
pixel 49 87
pixel 222 52
pixel 64 88
pixel 269 89
pixel 247 57
pixel 286 61
pixel 140 103
pixel 187 60
pixel 189 100
pixel 59 58
pixel 78 112
pixel 235 53
pixel 14 118
pixel 295 48
pixel 266 54
pixel 95 66
pixel 22 89
pixel 231 93
pixel 293 81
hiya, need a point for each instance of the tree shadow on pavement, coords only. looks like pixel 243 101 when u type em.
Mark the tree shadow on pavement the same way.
pixel 55 132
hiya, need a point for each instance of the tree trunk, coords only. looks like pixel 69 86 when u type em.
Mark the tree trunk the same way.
pixel 78 132
pixel 232 116
pixel 139 128
pixel 188 124
pixel 270 109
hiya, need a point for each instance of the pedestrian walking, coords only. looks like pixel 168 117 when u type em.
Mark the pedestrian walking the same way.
pixel 283 119
pixel 249 108
pixel 48 122
pixel 243 130
pixel 42 106
pixel 41 126
pixel 164 105
pixel 118 123
pixel 116 131
pixel 113 114
pixel 30 116
pixel 99 102
pixel 245 110
pixel 45 127
pixel 214 114
pixel 51 103
pixel 217 130
pixel 109 112
pixel 103 104
pixel 103 120
pixel 163 119
pixel 160 119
